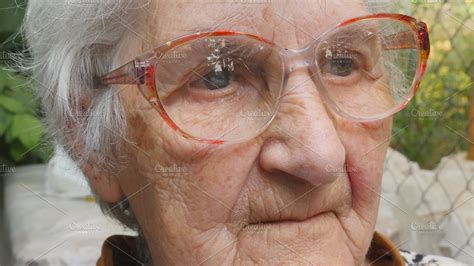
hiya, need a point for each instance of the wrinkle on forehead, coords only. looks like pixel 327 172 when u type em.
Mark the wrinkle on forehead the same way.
pixel 277 20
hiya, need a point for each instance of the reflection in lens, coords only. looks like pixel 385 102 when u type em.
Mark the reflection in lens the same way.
pixel 367 68
pixel 220 88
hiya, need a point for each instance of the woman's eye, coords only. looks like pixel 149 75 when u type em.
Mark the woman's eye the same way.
pixel 342 67
pixel 217 79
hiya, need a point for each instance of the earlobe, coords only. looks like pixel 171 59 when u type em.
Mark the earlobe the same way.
pixel 104 185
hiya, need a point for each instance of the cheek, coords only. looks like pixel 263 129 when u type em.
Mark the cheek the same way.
pixel 155 148
pixel 148 140
pixel 366 142
pixel 366 145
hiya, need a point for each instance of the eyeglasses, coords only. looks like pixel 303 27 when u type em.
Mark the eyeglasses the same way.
pixel 225 86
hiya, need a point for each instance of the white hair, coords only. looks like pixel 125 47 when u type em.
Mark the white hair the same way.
pixel 71 43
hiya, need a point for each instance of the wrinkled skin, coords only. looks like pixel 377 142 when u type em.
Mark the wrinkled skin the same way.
pixel 305 190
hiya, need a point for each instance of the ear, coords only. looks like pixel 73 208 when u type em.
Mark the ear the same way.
pixel 102 181
pixel 106 186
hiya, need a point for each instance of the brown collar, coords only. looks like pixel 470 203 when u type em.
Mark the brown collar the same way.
pixel 383 252
pixel 122 250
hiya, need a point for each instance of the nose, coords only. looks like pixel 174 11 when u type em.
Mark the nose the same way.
pixel 302 141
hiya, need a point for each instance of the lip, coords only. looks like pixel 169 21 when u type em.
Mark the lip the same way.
pixel 303 213
pixel 284 222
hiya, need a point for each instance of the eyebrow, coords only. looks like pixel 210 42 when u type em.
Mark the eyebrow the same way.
pixel 176 34
pixel 224 23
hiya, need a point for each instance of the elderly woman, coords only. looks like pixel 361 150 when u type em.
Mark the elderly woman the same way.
pixel 230 132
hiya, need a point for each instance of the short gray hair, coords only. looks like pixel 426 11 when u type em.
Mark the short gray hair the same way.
pixel 71 42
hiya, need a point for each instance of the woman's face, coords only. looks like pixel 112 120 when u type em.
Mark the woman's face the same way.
pixel 305 190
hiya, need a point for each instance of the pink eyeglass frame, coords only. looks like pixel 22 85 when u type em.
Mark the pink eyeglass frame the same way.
pixel 141 70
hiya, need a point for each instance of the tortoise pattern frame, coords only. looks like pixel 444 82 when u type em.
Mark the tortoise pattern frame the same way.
pixel 141 70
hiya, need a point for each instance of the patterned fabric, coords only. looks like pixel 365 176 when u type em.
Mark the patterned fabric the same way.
pixel 412 258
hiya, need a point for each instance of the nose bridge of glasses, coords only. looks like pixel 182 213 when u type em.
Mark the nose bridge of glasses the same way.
pixel 297 59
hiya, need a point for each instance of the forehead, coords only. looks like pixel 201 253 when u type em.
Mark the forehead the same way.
pixel 289 23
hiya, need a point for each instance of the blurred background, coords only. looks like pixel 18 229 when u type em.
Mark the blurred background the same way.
pixel 427 195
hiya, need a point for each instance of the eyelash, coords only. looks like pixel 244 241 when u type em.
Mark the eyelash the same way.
pixel 358 60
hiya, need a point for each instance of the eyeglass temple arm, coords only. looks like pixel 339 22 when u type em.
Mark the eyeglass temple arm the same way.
pixel 401 40
pixel 133 72
pixel 404 40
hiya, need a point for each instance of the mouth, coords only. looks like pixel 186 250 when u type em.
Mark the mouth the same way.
pixel 317 206
pixel 286 221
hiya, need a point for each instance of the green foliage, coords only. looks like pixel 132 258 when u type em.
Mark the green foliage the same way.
pixel 21 131
pixel 438 117
pixel 22 135
pixel 11 15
